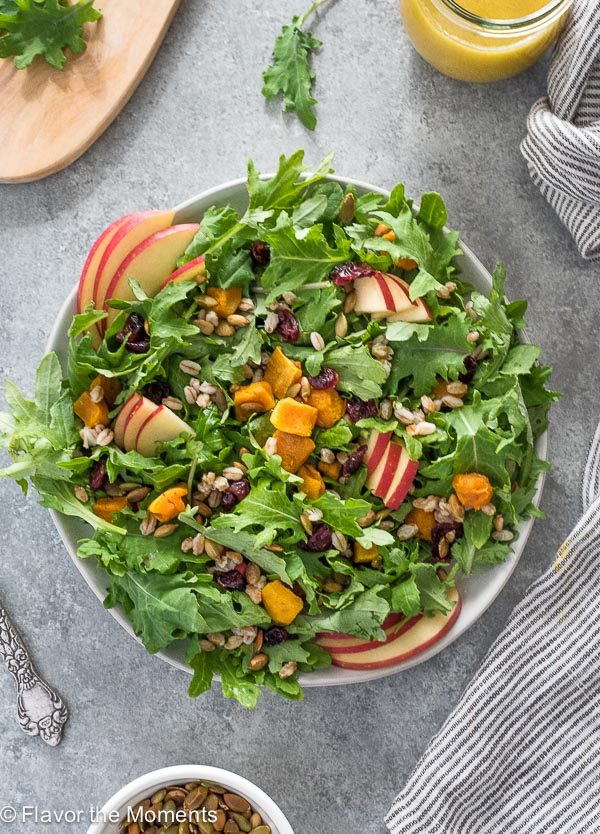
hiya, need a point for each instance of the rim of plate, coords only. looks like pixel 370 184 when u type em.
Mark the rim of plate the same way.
pixel 333 676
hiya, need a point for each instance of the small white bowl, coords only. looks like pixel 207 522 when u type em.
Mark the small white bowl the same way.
pixel 145 786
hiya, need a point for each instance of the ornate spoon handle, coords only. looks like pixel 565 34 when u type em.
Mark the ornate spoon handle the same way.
pixel 41 710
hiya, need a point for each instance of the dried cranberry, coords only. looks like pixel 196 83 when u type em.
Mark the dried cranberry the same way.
pixel 470 369
pixel 231 581
pixel 242 568
pixel 274 636
pixel 260 253
pixel 327 378
pixel 438 531
pixel 140 346
pixel 97 475
pixel 240 488
pixel 235 493
pixel 134 327
pixel 358 409
pixel 157 391
pixel 353 461
pixel 228 502
pixel 345 273
pixel 319 539
pixel 287 326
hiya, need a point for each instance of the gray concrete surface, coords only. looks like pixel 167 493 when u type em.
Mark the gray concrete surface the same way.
pixel 335 761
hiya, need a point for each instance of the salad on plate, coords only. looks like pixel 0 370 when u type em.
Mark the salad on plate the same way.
pixel 289 429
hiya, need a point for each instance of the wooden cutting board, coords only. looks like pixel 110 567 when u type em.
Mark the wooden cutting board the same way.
pixel 49 118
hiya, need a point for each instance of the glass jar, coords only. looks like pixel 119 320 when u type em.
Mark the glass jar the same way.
pixel 460 42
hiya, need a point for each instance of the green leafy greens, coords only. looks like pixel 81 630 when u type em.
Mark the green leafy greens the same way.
pixel 247 529
pixel 29 28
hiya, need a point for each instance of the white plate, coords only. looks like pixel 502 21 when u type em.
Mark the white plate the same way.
pixel 478 592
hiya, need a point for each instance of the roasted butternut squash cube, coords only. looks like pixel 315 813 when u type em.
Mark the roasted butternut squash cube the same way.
pixel 293 450
pixel 106 507
pixel 255 398
pixel 281 603
pixel 364 555
pixel 473 490
pixel 227 300
pixel 294 417
pixel 282 372
pixel 169 504
pixel 330 470
pixel 313 484
pixel 424 521
pixel 329 404
pixel 92 414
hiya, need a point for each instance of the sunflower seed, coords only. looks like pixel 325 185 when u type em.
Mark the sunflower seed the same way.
pixel 406 531
pixel 404 415
pixel 306 523
pixel 258 662
pixel 424 428
pixel 235 320
pixel 271 322
pixel 314 514
pixel 341 327
pixel 327 455
pixel 233 473
pixel 233 642
pixel 148 525
pixel 207 328
pixel 165 530
pixel 198 544
pixel 489 509
pixel 317 341
pixel 452 402
pixel 246 305
pixel 288 669
pixel 339 541
pixel 105 438
pixel 187 366
pixel 271 446
pixel 254 593
pixel 97 394
pixel 137 495
pixel 459 389
pixel 225 329
pixel 173 403
pixel 294 390
pixel 502 535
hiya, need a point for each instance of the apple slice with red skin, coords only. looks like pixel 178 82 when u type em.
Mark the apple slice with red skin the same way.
pixel 137 417
pixel 376 446
pixel 150 263
pixel 128 236
pixel 160 426
pixel 424 634
pixel 381 294
pixel 382 477
pixel 355 645
pixel 120 425
pixel 87 279
pixel 85 291
pixel 194 270
pixel 401 483
pixel 421 314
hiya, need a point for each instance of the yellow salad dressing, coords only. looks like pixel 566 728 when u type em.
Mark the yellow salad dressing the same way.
pixel 478 49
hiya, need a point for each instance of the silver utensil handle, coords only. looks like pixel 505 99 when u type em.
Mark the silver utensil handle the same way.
pixel 41 710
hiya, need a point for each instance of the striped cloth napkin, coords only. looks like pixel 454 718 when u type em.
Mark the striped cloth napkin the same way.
pixel 562 147
pixel 520 754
